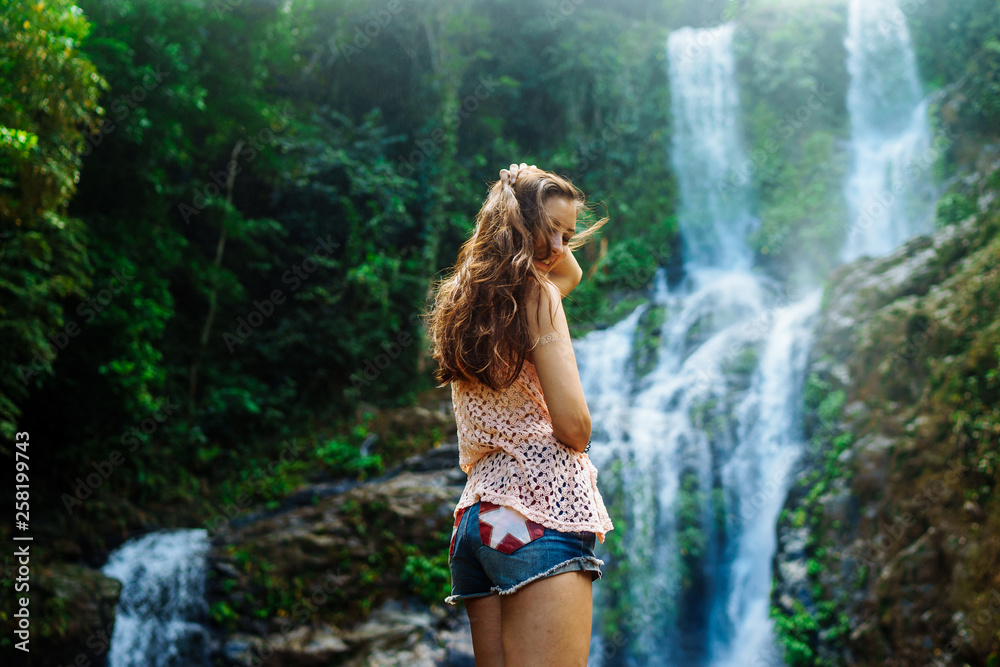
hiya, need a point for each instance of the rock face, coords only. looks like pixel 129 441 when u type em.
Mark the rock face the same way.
pixel 888 547
pixel 76 615
pixel 346 578
pixel 343 573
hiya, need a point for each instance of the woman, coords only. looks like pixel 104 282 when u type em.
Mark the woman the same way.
pixel 522 548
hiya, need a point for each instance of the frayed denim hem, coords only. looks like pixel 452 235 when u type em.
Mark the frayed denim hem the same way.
pixel 580 563
pixel 453 599
pixel 571 565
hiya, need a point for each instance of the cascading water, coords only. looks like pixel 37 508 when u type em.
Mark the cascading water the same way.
pixel 889 193
pixel 699 450
pixel 697 455
pixel 162 603
pixel 707 148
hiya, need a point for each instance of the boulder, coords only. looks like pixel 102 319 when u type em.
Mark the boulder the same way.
pixel 344 579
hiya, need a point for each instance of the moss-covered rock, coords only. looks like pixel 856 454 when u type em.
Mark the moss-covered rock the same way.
pixel 887 546
pixel 72 614
pixel 648 337
pixel 301 584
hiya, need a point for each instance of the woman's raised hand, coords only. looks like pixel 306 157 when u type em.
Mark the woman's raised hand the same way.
pixel 509 176
pixel 565 273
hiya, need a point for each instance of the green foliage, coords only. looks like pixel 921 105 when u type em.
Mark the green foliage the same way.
pixel 214 316
pixel 953 207
pixel 798 629
pixel 222 614
pixel 743 363
pixel 796 633
pixel 374 282
pixel 428 578
pixel 829 408
pixel 342 459
pixel 617 605
pixel 958 47
pixel 803 207
pixel 49 90
pixel 341 454
pixel 814 391
pixel 793 83
pixel 692 535
pixel 183 83
pixel 646 347
pixel 620 283
pixel 822 402
pixel 264 480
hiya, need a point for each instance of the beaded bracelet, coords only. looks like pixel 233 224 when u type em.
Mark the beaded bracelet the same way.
pixel 586 449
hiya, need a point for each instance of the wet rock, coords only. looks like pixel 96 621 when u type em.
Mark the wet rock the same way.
pixel 334 571
pixel 76 615
pixel 896 539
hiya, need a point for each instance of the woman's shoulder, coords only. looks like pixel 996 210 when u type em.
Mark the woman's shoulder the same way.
pixel 544 291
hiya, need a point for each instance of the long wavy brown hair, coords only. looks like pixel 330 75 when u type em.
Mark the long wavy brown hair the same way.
pixel 477 323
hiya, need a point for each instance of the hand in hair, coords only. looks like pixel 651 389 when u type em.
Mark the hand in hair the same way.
pixel 509 176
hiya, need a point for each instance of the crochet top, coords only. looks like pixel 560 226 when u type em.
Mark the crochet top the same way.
pixel 507 448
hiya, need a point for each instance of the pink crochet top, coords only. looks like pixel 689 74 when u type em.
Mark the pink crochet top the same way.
pixel 507 448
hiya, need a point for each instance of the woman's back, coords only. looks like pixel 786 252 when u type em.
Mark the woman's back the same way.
pixel 512 457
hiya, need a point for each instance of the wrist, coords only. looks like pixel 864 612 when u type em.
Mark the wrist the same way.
pixel 566 274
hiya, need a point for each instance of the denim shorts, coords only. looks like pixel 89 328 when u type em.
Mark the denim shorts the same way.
pixel 495 549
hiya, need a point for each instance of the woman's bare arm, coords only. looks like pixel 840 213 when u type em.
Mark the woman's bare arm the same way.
pixel 555 363
pixel 566 274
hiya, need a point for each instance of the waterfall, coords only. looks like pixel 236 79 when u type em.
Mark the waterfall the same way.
pixel 699 450
pixel 704 467
pixel 707 148
pixel 889 192
pixel 162 604
pixel 760 471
